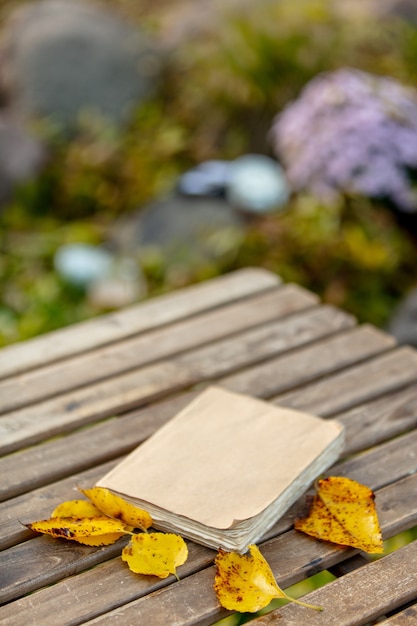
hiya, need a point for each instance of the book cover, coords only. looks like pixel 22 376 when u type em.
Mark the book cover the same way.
pixel 225 468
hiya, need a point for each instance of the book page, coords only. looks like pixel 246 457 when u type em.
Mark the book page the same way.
pixel 223 458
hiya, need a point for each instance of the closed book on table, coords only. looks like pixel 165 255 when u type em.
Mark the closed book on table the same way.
pixel 225 468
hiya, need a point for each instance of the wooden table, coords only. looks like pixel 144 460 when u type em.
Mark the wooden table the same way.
pixel 75 401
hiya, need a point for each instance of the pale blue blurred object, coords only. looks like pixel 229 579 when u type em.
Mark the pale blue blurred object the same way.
pixel 257 184
pixel 82 264
pixel 207 179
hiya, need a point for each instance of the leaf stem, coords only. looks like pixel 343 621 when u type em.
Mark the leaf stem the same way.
pixel 301 603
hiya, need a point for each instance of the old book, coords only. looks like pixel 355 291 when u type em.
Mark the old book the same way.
pixel 225 468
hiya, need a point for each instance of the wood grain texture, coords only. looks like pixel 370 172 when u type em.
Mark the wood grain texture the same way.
pixel 59 415
pixel 395 368
pixel 305 364
pixel 128 354
pixel 136 319
pixel 53 460
pixel 39 503
pixel 82 406
pixel 388 462
pixel 32 467
pixel 407 617
pixel 44 560
pixel 358 597
pixel 264 343
pixel 382 418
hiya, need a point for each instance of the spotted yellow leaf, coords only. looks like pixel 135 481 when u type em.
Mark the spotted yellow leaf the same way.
pixel 91 531
pixel 158 554
pixel 76 508
pixel 116 507
pixel 343 511
pixel 245 582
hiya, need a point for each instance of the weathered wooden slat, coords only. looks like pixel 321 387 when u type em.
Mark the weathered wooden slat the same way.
pixel 65 413
pixel 407 617
pixel 271 340
pixel 366 377
pixel 82 406
pixel 274 376
pixel 39 503
pixel 113 360
pixel 358 597
pixel 36 466
pixel 378 420
pixel 46 561
pixel 388 462
pixel 82 602
pixel 136 319
pixel 53 460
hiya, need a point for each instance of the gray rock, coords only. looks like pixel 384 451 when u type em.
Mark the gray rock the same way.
pixel 63 58
pixel 125 285
pixel 21 157
pixel 403 323
pixel 195 227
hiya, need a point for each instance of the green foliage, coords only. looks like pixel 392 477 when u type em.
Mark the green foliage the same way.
pixel 352 254
pixel 217 99
pixel 262 56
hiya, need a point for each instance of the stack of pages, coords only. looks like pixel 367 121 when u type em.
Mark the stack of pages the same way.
pixel 225 468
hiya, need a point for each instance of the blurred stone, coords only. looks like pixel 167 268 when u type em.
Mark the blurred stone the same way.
pixel 82 264
pixel 257 184
pixel 21 157
pixel 403 9
pixel 403 323
pixel 125 285
pixel 65 58
pixel 193 227
pixel 115 292
pixel 209 178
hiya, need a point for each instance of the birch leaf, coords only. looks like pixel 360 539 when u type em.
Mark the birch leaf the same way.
pixel 76 508
pixel 91 531
pixel 116 507
pixel 245 582
pixel 158 554
pixel 343 512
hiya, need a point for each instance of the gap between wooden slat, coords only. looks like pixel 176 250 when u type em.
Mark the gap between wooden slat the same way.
pixel 86 405
pixel 127 355
pixel 406 617
pixel 139 318
pixel 358 597
pixel 30 468
pixel 365 375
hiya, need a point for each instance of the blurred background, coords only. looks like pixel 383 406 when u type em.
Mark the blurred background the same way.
pixel 147 145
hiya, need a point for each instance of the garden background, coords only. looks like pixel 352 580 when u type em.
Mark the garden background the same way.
pixel 226 70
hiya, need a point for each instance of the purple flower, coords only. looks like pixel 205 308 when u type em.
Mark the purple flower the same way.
pixel 351 132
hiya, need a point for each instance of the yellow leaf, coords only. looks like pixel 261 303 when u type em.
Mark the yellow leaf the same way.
pixel 116 507
pixel 76 508
pixel 344 512
pixel 158 554
pixel 245 582
pixel 92 531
